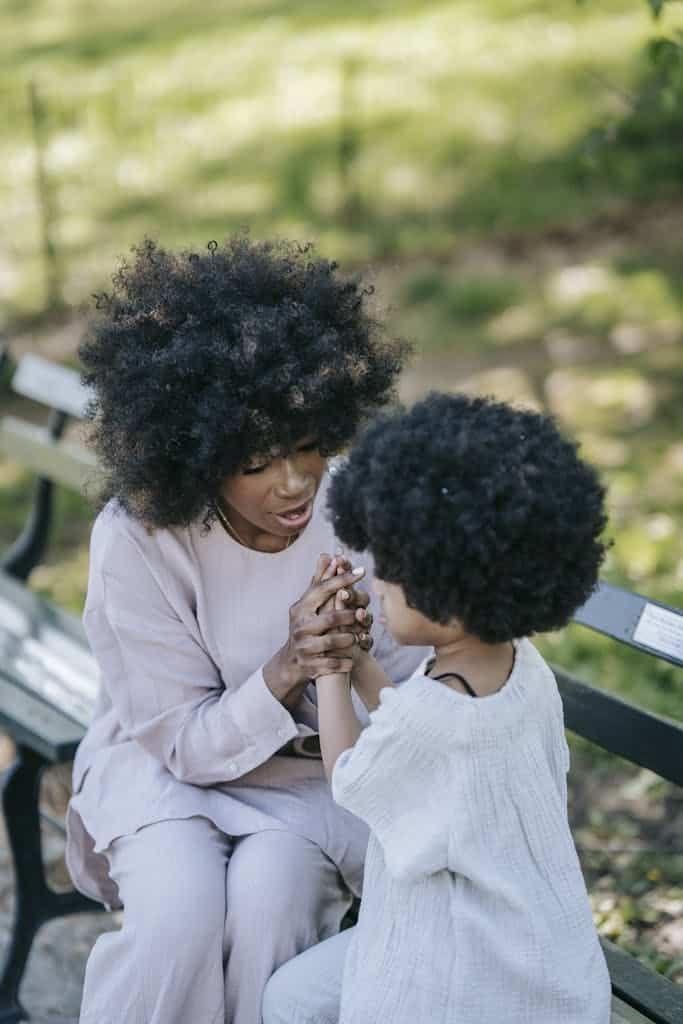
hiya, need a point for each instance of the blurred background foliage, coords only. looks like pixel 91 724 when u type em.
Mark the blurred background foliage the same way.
pixel 510 174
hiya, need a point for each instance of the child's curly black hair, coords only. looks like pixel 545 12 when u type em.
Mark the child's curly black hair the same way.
pixel 202 360
pixel 482 512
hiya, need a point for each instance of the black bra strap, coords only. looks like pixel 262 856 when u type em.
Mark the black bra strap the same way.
pixel 456 675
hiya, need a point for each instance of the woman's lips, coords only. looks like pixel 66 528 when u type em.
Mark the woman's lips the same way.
pixel 297 518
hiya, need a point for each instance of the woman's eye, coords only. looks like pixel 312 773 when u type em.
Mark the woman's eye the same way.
pixel 249 470
pixel 310 447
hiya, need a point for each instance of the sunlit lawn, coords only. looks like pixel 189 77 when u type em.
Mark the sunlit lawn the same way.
pixel 377 128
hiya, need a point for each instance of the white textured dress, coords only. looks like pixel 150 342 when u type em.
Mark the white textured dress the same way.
pixel 474 906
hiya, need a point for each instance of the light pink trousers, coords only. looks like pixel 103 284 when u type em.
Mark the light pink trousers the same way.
pixel 207 920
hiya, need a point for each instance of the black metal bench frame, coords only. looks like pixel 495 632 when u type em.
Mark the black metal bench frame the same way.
pixel 53 741
pixel 47 734
pixel 641 737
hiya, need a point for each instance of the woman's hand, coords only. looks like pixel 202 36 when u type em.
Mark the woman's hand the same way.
pixel 358 600
pixel 320 639
pixel 337 719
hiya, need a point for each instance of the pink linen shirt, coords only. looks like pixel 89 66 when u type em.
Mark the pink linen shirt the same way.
pixel 181 622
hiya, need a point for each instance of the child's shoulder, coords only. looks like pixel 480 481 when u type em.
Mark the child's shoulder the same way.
pixel 441 713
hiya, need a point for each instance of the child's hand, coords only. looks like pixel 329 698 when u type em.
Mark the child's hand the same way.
pixel 358 600
pixel 337 719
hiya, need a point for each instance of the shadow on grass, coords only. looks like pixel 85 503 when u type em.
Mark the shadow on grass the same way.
pixel 89 41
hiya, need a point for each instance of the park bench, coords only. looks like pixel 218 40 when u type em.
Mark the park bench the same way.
pixel 48 684
pixel 48 678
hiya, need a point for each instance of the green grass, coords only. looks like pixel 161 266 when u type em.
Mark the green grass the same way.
pixel 379 129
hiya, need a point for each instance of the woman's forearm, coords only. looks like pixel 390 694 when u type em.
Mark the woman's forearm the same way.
pixel 337 721
pixel 279 679
pixel 368 678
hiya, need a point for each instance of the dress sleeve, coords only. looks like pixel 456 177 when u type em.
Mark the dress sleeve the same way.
pixel 167 691
pixel 394 782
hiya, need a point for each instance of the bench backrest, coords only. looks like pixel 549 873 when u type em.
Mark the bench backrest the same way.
pixel 639 736
pixel 54 386
pixel 616 725
pixel 44 450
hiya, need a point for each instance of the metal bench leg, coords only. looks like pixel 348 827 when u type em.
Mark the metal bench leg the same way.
pixel 34 901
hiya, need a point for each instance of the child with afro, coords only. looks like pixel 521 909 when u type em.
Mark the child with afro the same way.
pixel 485 528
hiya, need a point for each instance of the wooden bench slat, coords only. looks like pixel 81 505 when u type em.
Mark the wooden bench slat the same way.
pixel 640 736
pixel 44 651
pixel 32 446
pixel 41 612
pixel 52 385
pixel 32 722
pixel 660 1000
pixel 634 620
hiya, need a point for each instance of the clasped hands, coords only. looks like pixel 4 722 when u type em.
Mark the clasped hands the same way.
pixel 328 628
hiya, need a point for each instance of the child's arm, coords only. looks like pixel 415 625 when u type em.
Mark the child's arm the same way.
pixel 338 724
pixel 368 678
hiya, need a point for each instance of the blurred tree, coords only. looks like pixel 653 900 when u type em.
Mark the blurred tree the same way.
pixel 642 150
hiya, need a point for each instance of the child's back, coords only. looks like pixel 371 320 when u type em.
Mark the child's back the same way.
pixel 474 907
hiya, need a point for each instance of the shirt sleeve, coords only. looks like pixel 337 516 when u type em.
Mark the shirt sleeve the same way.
pixel 168 692
pixel 394 782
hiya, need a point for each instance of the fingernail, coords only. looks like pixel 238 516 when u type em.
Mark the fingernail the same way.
pixel 344 594
pixel 359 571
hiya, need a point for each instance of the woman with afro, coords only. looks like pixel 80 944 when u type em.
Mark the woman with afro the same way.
pixel 222 382
pixel 485 528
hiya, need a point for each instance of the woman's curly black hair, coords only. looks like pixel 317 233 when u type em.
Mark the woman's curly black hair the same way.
pixel 482 512
pixel 201 360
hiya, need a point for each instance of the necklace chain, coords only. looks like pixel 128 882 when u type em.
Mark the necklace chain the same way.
pixel 227 525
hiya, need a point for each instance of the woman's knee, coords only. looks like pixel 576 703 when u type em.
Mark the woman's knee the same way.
pixel 172 884
pixel 182 923
pixel 277 875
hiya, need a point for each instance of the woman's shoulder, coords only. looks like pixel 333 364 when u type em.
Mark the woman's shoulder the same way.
pixel 117 537
pixel 140 564
pixel 115 530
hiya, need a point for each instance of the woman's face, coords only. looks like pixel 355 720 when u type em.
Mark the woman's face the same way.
pixel 274 496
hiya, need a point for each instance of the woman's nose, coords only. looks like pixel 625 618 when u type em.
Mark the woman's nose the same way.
pixel 294 480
